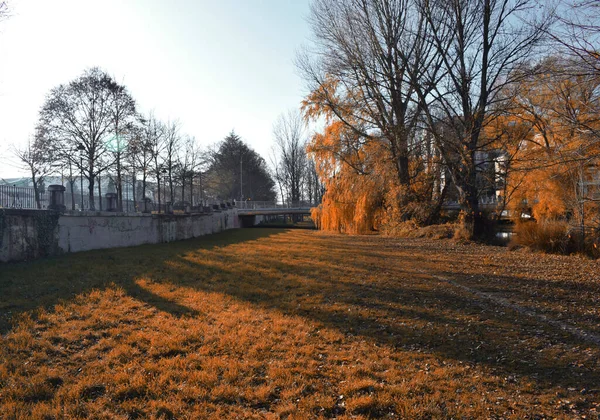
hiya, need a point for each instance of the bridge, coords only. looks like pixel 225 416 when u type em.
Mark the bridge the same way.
pixel 250 211
pixel 255 208
pixel 266 208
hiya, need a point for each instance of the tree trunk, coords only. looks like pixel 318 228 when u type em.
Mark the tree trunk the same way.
pixel 71 182
pixel 144 191
pixel 91 204
pixel 472 219
pixel 133 181
pixel 171 191
pixel 119 185
pixel 158 186
pixel 434 214
pixel 36 192
pixel 183 189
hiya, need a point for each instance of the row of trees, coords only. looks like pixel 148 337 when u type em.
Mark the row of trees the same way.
pixel 91 127
pixel 422 97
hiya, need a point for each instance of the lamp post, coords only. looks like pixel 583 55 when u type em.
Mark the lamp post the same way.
pixel 71 180
pixel 241 177
pixel 164 172
pixel 81 148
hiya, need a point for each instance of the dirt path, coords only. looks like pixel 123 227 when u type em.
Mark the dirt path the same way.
pixel 482 297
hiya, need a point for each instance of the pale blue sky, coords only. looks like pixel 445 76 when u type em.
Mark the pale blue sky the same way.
pixel 214 65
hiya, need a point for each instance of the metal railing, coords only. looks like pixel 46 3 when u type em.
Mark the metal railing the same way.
pixel 21 197
pixel 24 198
pixel 258 205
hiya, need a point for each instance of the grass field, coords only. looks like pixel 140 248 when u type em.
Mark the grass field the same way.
pixel 271 323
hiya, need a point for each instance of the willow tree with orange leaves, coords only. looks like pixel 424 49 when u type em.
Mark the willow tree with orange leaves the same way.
pixel 362 191
pixel 355 179
pixel 361 73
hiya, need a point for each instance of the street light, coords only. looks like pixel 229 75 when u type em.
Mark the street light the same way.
pixel 71 179
pixel 164 172
pixel 81 148
pixel 241 179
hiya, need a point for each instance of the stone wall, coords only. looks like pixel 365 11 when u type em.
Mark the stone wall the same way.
pixel 30 234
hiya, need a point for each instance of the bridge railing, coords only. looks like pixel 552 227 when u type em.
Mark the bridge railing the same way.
pixel 259 205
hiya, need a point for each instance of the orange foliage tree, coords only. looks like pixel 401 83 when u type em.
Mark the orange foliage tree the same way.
pixel 558 164
pixel 362 190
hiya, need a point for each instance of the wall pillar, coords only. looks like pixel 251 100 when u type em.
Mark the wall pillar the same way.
pixel 111 201
pixel 57 198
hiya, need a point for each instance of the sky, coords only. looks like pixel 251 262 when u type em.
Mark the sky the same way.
pixel 215 65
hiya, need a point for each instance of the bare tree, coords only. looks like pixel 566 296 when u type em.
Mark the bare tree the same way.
pixel 123 113
pixel 155 142
pixel 143 149
pixel 578 33
pixel 478 45
pixel 36 157
pixel 314 187
pixel 277 173
pixel 188 167
pixel 66 159
pixel 172 139
pixel 136 161
pixel 369 55
pixel 78 115
pixel 290 143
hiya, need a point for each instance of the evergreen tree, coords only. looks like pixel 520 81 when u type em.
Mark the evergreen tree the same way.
pixel 238 172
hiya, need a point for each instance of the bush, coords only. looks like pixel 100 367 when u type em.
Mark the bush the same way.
pixel 551 236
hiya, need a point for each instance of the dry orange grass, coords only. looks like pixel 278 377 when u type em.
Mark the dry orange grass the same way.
pixel 297 324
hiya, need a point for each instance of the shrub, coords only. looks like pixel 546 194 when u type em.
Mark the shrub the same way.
pixel 550 236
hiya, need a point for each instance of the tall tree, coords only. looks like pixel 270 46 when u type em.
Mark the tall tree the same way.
pixel 290 143
pixel 560 161
pixel 123 114
pixel 172 140
pixel 78 114
pixel 368 56
pixel 188 168
pixel 238 172
pixel 155 142
pixel 142 152
pixel 479 44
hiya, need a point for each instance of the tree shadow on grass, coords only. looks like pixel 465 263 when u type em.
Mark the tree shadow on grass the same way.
pixel 337 283
pixel 410 310
pixel 41 284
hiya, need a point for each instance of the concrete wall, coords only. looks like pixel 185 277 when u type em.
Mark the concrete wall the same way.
pixel 30 234
pixel 27 234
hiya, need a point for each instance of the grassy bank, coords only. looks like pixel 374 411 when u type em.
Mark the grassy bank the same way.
pixel 298 324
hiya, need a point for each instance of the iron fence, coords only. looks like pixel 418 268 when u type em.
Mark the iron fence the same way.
pixel 21 197
pixel 24 198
